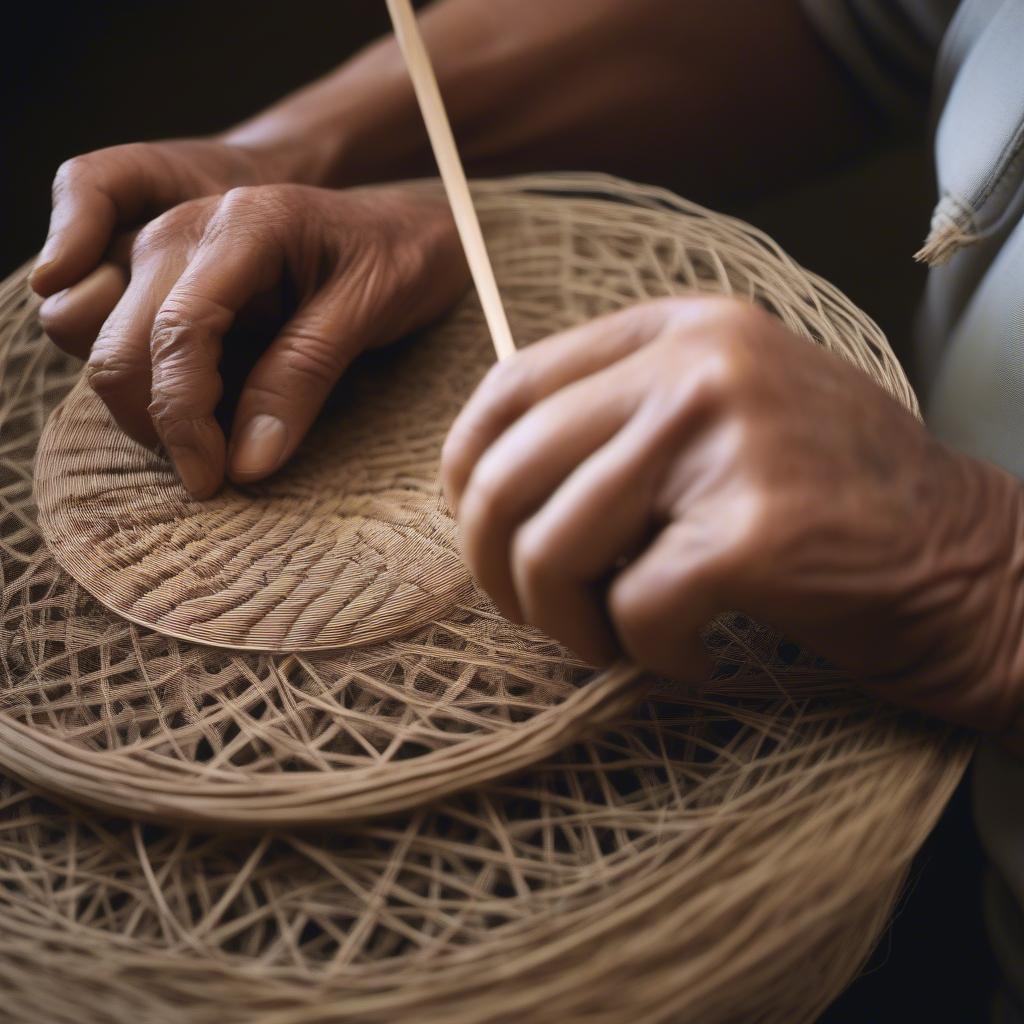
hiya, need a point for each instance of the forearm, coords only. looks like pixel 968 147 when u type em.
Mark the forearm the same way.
pixel 703 96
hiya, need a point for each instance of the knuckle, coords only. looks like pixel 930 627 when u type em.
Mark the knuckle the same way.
pixel 722 372
pixel 756 528
pixel 716 368
pixel 164 406
pixel 312 355
pixel 149 241
pixel 245 213
pixel 667 309
pixel 719 310
pixel 166 229
pixel 508 383
pixel 241 195
pixel 237 201
pixel 534 555
pixel 248 201
pixel 631 611
pixel 181 398
pixel 171 334
pixel 488 493
pixel 188 328
pixel 111 376
pixel 70 172
pixel 718 317
pixel 691 390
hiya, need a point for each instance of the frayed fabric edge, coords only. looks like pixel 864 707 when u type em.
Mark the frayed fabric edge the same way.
pixel 952 229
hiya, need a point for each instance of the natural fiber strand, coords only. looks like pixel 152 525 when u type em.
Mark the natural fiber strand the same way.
pixel 725 858
pixel 351 542
pixel 952 228
pixel 100 710
pixel 713 863
pixel 453 176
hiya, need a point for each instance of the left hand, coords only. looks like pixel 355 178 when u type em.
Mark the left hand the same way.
pixel 341 271
pixel 622 483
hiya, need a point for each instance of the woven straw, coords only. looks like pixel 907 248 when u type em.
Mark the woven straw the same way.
pixel 711 863
pixel 725 858
pixel 351 542
pixel 101 710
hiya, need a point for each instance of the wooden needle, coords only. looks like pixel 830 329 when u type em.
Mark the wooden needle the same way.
pixel 417 60
pixel 424 82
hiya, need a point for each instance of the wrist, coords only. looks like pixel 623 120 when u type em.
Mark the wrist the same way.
pixel 1006 669
pixel 981 581
pixel 947 632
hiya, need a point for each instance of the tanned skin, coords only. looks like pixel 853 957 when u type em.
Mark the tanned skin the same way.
pixel 617 485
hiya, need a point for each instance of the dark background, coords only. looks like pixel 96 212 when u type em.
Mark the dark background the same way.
pixel 78 76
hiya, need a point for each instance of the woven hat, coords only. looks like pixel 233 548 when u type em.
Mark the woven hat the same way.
pixel 351 542
pixel 725 857
pixel 705 862
pixel 142 723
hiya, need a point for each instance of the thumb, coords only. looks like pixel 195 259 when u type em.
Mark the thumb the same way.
pixel 92 195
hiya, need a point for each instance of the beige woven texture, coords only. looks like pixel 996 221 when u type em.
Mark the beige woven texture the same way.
pixel 713 863
pixel 101 710
pixel 729 857
pixel 350 543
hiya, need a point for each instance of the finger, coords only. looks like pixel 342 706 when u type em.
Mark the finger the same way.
pixel 92 194
pixel 562 557
pixel 119 363
pixel 610 507
pixel 519 472
pixel 186 347
pixel 514 386
pixel 288 386
pixel 660 604
pixel 73 318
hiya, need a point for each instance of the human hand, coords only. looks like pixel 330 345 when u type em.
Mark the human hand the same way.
pixel 622 483
pixel 98 195
pixel 353 269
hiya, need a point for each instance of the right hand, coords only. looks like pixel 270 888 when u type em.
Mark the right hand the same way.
pixel 101 196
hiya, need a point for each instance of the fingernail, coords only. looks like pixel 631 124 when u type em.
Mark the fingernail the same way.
pixel 39 270
pixel 193 470
pixel 47 254
pixel 49 306
pixel 260 446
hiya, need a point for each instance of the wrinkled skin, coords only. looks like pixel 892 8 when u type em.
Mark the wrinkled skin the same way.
pixel 622 483
pixel 101 195
pixel 618 485
pixel 350 270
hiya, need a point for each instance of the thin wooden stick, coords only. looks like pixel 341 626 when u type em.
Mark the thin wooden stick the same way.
pixel 424 82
